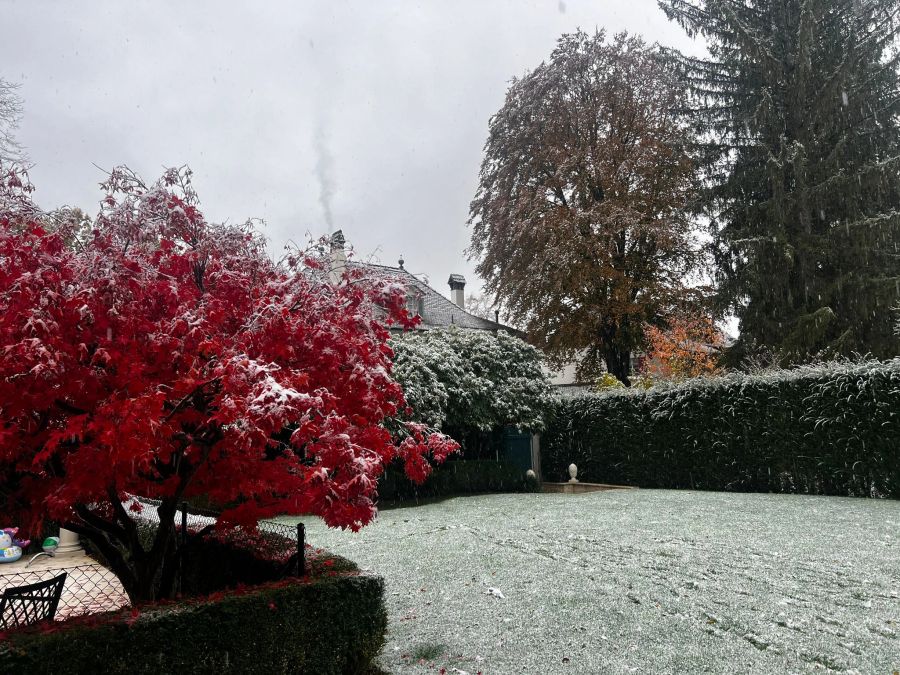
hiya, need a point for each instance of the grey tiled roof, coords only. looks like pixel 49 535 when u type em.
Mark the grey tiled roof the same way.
pixel 436 310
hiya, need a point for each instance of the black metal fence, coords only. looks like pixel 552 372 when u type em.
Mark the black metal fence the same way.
pixel 192 519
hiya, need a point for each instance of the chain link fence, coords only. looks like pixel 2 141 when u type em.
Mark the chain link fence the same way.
pixel 91 588
pixel 191 520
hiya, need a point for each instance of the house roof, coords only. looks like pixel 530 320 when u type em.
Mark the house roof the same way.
pixel 436 310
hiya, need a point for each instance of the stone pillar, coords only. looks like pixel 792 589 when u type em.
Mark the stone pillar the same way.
pixel 536 456
pixel 68 542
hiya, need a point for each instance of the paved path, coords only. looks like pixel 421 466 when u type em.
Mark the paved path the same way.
pixel 89 587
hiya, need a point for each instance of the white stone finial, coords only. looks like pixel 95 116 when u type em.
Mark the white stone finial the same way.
pixel 573 471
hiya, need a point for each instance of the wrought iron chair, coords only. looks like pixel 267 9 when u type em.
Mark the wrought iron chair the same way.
pixel 25 605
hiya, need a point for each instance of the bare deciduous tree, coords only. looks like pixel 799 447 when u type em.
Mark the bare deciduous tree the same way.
pixel 11 151
pixel 480 305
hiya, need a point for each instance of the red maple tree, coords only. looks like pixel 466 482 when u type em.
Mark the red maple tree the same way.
pixel 167 357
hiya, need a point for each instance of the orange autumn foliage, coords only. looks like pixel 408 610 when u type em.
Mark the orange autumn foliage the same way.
pixel 688 347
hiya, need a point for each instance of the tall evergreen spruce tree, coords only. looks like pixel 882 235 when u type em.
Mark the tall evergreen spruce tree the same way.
pixel 798 104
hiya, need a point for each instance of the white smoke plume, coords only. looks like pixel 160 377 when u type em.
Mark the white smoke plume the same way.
pixel 324 173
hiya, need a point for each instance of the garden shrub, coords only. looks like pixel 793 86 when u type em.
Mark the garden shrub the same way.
pixel 237 558
pixel 452 478
pixel 473 386
pixel 828 429
pixel 471 380
pixel 331 624
pixel 242 611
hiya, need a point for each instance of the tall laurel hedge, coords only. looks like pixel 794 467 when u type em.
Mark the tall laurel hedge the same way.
pixel 830 429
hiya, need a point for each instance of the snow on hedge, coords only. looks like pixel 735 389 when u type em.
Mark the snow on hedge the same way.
pixel 823 429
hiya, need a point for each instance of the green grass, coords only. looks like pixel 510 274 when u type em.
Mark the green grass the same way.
pixel 428 652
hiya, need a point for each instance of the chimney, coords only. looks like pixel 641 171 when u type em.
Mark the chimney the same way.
pixel 338 258
pixel 457 290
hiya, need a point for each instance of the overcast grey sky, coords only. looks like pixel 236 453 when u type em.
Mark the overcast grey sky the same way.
pixel 373 111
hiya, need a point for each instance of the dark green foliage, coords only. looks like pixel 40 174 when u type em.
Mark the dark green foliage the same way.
pixel 799 104
pixel 469 380
pixel 472 385
pixel 832 430
pixel 428 652
pixel 213 564
pixel 331 625
pixel 452 478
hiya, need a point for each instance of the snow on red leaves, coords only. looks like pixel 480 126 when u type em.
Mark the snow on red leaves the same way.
pixel 166 356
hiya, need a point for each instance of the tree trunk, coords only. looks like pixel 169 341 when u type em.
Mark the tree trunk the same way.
pixel 155 580
pixel 144 577
pixel 618 364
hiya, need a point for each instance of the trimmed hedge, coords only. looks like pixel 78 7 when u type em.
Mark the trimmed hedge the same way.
pixel 832 429
pixel 454 477
pixel 328 625
pixel 240 614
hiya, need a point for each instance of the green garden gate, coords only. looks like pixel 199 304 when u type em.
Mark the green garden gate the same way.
pixel 517 449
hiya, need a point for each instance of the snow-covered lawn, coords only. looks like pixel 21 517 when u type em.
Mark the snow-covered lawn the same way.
pixel 636 581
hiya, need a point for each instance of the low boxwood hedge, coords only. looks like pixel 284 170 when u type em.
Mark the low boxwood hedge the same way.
pixel 332 624
pixel 243 610
pixel 830 429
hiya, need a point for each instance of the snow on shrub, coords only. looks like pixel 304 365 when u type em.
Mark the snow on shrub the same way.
pixel 826 429
pixel 462 379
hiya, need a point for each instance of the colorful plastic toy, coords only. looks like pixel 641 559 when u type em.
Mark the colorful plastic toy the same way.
pixel 8 552
pixel 12 532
